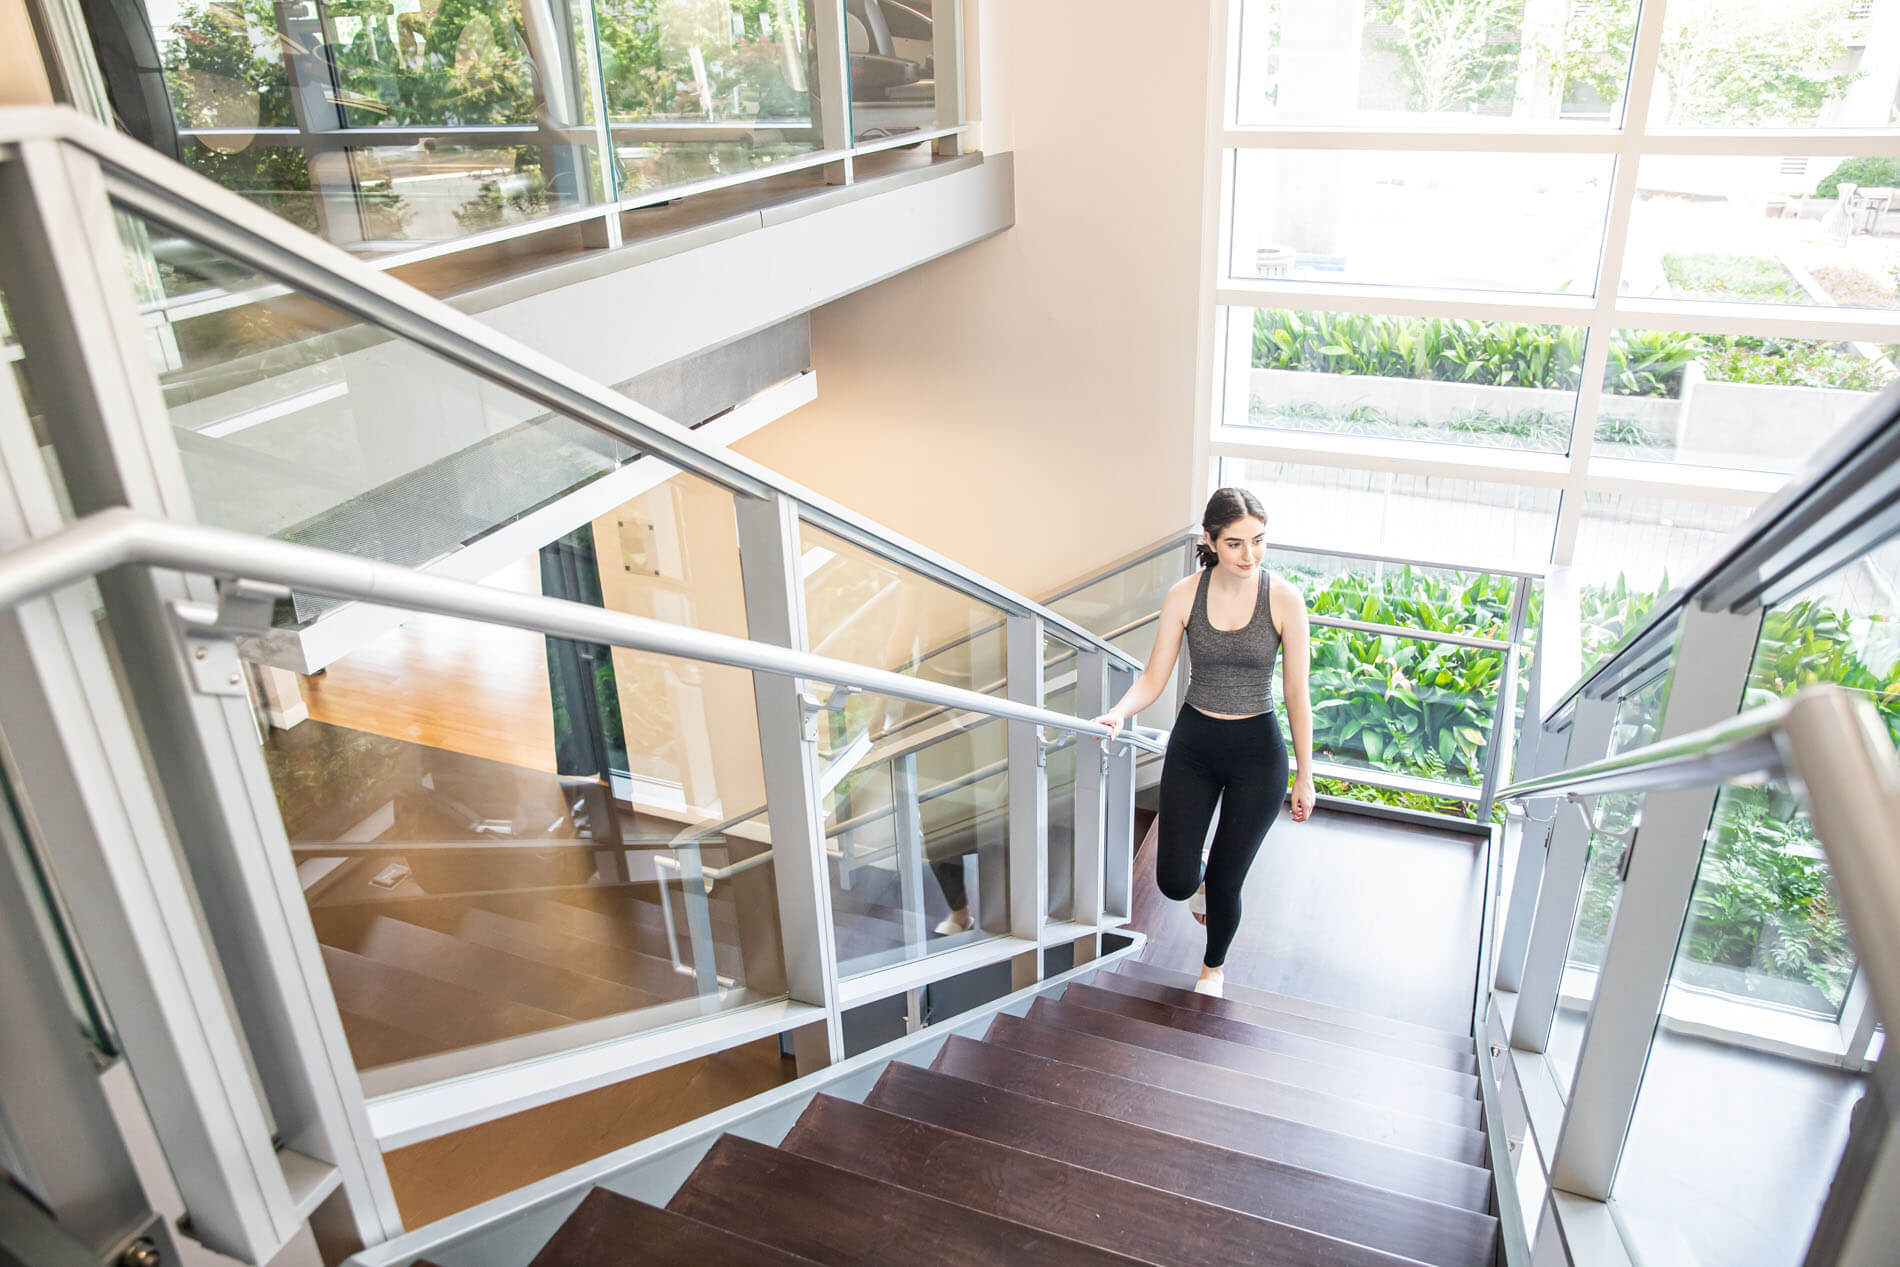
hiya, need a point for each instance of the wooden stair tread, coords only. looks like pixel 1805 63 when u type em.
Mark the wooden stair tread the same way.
pixel 607 1227
pixel 1205 1172
pixel 640 928
pixel 834 1216
pixel 1334 1115
pixel 373 1042
pixel 1292 1070
pixel 1367 1021
pixel 489 970
pixel 449 1015
pixel 1348 1060
pixel 646 973
pixel 1041 1191
pixel 1289 1023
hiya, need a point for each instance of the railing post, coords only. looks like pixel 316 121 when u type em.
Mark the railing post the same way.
pixel 1028 800
pixel 1502 713
pixel 946 52
pixel 1118 817
pixel 1707 678
pixel 1091 792
pixel 908 831
pixel 775 612
pixel 1563 881
pixel 87 360
pixel 833 86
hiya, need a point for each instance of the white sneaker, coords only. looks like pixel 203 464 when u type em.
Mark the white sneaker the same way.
pixel 1212 985
pixel 954 922
pixel 1197 904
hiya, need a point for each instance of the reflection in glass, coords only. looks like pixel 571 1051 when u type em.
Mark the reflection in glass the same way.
pixel 1495 384
pixel 1725 400
pixel 1399 515
pixel 1392 62
pixel 916 830
pixel 1521 222
pixel 294 420
pixel 1613 820
pixel 893 64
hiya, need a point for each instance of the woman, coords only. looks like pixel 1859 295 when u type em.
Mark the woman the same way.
pixel 1226 744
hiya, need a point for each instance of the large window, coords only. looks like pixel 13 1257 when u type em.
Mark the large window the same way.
pixel 1505 283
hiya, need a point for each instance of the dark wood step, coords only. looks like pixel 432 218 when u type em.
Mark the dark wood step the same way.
pixel 374 1043
pixel 833 1216
pixel 608 1228
pixel 646 973
pixel 1331 1115
pixel 447 1015
pixel 1346 1083
pixel 635 925
pixel 1318 1011
pixel 488 970
pixel 1040 1191
pixel 1290 1023
pixel 1348 1060
pixel 1204 1171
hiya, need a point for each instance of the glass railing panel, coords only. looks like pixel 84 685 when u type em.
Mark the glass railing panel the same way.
pixel 1405 595
pixel 1139 643
pixel 892 48
pixel 916 834
pixel 864 608
pixel 295 421
pixel 379 128
pixel 503 838
pixel 1470 221
pixel 1613 819
pixel 1487 384
pixel 1745 1106
pixel 1061 664
pixel 1765 942
pixel 1471 523
pixel 696 92
pixel 1107 606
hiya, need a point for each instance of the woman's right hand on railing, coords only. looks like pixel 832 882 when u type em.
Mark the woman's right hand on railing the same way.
pixel 1113 721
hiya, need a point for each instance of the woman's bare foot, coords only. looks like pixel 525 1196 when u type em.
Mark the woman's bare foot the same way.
pixel 1213 981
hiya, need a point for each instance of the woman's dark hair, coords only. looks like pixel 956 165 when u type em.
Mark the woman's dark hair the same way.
pixel 1225 507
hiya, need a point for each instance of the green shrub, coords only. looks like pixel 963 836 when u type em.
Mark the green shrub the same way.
pixel 1879 173
pixel 1723 276
pixel 1438 349
pixel 1792 363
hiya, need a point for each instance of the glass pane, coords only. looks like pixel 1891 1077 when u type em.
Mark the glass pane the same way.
pixel 1763 927
pixel 1637 716
pixel 696 91
pixel 1433 65
pixel 1522 222
pixel 1725 400
pixel 488 121
pixel 1401 516
pixel 1060 666
pixel 917 830
pixel 488 880
pixel 295 421
pixel 1760 63
pixel 1632 550
pixel 1788 233
pixel 893 64
pixel 1494 384
pixel 1139 642
pixel 1403 705
pixel 1108 605
pixel 1433 600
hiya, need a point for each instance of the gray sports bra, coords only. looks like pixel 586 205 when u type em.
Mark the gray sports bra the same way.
pixel 1231 670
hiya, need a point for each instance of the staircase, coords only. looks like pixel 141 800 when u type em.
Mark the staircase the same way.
pixel 1129 1120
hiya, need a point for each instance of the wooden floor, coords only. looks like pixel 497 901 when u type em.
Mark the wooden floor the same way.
pixel 459 685
pixel 438 1177
pixel 1345 909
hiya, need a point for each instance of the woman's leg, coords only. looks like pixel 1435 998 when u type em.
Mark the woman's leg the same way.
pixel 1188 795
pixel 950 880
pixel 1247 810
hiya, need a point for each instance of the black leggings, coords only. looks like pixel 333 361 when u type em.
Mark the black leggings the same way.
pixel 1242 764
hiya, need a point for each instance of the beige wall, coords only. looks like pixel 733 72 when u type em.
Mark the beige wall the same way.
pixel 1026 406
pixel 22 75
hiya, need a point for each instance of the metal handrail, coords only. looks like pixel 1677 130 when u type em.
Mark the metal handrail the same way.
pixel 1833 744
pixel 113 538
pixel 145 181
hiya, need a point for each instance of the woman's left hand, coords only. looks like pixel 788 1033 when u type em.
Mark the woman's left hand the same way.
pixel 1303 798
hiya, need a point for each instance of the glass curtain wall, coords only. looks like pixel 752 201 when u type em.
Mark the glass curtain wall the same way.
pixel 1525 290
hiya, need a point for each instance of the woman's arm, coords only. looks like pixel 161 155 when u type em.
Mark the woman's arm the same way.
pixel 1296 657
pixel 1154 677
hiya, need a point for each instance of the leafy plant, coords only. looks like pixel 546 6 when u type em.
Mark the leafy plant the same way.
pixel 1438 349
pixel 1878 173
pixel 1730 276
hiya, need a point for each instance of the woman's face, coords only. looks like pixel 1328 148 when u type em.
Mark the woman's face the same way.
pixel 1240 546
